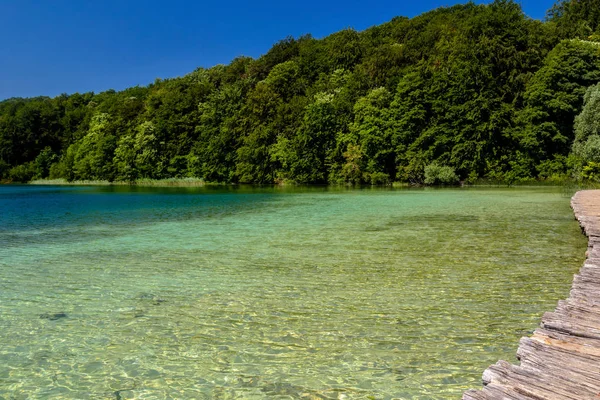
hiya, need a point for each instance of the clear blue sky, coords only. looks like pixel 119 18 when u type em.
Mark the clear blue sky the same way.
pixel 66 46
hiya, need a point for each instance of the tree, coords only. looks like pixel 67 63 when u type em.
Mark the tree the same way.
pixel 43 162
pixel 213 155
pixel 480 88
pixel 576 18
pixel 93 154
pixel 586 147
pixel 138 156
pixel 303 157
pixel 587 123
pixel 554 97
pixel 370 132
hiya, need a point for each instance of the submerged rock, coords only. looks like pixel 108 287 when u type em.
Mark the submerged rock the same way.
pixel 154 299
pixel 123 394
pixel 53 316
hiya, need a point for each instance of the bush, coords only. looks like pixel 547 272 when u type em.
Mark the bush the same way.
pixel 379 178
pixel 440 175
pixel 22 173
pixel 591 171
pixel 552 168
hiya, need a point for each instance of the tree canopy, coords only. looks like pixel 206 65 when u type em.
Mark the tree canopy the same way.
pixel 463 92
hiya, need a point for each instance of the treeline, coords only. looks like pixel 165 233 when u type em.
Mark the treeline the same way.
pixel 466 92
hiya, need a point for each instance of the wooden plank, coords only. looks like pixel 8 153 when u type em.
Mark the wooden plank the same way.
pixel 561 364
pixel 576 308
pixel 494 391
pixel 531 384
pixel 557 338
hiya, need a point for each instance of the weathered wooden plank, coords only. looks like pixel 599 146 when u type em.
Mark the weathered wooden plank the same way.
pixel 494 391
pixel 572 326
pixel 566 365
pixel 542 335
pixel 532 384
pixel 578 309
pixel 583 291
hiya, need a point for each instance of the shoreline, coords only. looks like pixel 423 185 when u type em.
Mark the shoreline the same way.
pixel 198 182
pixel 560 360
pixel 183 182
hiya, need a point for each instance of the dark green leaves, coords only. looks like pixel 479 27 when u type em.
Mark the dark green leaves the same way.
pixel 480 90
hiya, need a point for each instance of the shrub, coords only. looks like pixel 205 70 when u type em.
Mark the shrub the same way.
pixel 440 175
pixel 591 171
pixel 22 173
pixel 379 178
pixel 552 168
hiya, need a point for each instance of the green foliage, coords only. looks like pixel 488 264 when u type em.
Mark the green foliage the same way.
pixel 587 123
pixel 555 96
pixel 588 150
pixel 591 171
pixel 586 147
pixel 370 131
pixel 440 175
pixel 576 18
pixel 352 170
pixel 470 91
pixel 4 168
pixel 137 156
pixel 303 156
pixel 92 156
pixel 556 167
pixel 43 163
pixel 22 173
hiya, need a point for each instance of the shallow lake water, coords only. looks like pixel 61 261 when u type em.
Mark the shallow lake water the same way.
pixel 278 293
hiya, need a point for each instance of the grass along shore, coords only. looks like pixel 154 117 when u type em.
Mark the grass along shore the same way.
pixel 183 182
pixel 197 182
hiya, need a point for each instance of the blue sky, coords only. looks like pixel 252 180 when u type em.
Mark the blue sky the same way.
pixel 66 46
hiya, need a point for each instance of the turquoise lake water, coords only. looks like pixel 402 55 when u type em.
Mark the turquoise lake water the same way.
pixel 273 293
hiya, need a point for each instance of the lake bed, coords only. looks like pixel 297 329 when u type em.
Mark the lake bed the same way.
pixel 233 292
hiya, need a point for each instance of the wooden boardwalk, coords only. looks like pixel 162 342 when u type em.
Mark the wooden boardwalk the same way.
pixel 562 358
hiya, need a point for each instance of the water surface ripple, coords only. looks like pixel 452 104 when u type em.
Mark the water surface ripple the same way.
pixel 223 293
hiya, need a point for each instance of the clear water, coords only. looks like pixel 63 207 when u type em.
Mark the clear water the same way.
pixel 203 293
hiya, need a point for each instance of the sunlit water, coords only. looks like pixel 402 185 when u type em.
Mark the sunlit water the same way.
pixel 118 293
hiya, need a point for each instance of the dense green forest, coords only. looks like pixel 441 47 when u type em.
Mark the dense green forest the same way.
pixel 461 93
